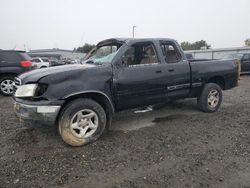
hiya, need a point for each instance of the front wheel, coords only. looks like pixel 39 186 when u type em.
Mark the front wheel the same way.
pixel 210 98
pixel 82 121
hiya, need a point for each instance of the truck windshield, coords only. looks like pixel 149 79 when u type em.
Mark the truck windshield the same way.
pixel 103 55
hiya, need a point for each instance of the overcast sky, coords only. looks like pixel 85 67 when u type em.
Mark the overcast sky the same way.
pixel 67 24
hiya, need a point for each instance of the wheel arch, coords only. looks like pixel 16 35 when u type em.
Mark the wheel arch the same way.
pixel 220 80
pixel 97 96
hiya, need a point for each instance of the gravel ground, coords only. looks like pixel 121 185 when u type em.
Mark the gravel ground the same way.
pixel 171 146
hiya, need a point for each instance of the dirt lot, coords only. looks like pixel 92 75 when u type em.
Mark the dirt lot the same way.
pixel 174 146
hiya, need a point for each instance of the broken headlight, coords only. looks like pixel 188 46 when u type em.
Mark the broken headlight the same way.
pixel 27 90
pixel 31 90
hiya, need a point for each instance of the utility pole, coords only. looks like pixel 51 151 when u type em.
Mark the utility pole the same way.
pixel 134 31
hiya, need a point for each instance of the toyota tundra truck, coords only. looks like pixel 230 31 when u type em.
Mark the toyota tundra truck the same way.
pixel 118 74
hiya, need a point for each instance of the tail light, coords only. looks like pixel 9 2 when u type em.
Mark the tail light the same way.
pixel 26 63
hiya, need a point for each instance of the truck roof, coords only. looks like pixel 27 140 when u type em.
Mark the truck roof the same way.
pixel 126 40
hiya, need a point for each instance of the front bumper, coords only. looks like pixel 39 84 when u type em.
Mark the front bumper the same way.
pixel 35 113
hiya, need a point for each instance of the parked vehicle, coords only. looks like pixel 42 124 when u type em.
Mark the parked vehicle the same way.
pixel 244 59
pixel 55 63
pixel 119 74
pixel 189 56
pixel 12 63
pixel 40 62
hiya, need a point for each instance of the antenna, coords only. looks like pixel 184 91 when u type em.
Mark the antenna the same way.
pixel 27 46
pixel 134 26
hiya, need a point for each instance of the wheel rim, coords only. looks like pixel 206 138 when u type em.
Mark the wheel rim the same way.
pixel 213 98
pixel 7 86
pixel 84 123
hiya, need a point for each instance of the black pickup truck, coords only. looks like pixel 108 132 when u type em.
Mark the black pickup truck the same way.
pixel 118 74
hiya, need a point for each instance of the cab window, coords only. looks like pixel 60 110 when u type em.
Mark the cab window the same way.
pixel 170 53
pixel 140 53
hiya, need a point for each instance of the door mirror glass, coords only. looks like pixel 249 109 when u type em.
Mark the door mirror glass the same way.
pixel 123 60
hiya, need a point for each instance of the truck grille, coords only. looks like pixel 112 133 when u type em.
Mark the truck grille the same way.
pixel 17 82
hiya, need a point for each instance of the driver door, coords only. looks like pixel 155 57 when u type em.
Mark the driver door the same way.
pixel 138 82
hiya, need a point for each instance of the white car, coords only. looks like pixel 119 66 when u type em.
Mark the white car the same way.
pixel 40 62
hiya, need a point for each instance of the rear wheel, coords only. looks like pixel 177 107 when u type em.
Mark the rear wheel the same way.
pixel 210 98
pixel 6 85
pixel 82 121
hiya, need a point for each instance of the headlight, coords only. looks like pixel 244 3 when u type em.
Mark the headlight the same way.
pixel 27 90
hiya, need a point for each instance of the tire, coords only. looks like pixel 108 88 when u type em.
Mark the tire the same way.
pixel 72 125
pixel 210 98
pixel 6 85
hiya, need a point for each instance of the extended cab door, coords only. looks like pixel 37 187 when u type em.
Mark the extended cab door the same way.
pixel 245 63
pixel 177 82
pixel 138 80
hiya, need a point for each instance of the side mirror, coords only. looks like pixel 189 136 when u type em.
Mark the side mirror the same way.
pixel 123 60
pixel 120 63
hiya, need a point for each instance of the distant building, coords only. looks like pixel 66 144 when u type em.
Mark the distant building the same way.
pixel 57 54
pixel 217 53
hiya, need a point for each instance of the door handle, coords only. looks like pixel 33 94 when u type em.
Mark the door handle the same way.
pixel 158 71
pixel 171 70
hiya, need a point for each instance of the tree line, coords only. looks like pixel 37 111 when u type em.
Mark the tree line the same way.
pixel 85 48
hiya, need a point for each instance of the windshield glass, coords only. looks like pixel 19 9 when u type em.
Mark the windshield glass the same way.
pixel 103 55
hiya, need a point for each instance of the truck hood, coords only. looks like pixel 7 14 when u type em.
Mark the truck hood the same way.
pixel 35 75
